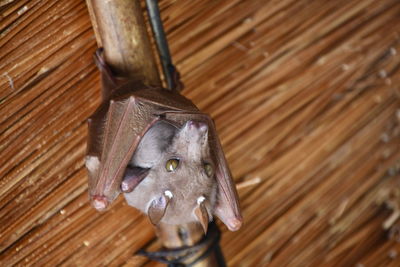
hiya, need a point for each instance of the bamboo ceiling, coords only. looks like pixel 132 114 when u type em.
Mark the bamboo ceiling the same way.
pixel 305 96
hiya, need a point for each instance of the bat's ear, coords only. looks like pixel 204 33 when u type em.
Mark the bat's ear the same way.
pixel 133 176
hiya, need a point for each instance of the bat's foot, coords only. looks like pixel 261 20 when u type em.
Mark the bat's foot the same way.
pixel 176 78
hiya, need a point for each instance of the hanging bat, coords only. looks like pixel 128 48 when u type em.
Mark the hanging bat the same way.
pixel 155 146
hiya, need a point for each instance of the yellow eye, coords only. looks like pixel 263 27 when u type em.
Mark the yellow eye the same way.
pixel 208 169
pixel 171 165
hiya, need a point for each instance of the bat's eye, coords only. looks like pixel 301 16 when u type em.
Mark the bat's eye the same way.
pixel 208 169
pixel 172 164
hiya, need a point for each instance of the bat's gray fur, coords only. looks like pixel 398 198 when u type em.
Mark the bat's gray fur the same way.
pixel 187 183
pixel 153 144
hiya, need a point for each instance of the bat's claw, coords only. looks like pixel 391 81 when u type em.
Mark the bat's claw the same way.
pixel 234 224
pixel 100 203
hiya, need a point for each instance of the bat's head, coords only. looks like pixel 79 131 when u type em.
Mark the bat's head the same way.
pixel 180 185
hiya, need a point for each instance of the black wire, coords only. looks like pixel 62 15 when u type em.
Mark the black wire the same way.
pixel 162 43
pixel 179 256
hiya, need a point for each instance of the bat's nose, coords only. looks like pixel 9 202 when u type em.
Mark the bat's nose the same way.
pixel 197 125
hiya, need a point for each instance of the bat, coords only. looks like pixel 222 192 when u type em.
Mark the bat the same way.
pixel 157 148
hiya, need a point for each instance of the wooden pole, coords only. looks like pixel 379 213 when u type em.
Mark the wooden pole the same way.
pixel 119 28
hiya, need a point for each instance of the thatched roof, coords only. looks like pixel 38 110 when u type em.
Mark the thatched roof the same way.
pixel 305 96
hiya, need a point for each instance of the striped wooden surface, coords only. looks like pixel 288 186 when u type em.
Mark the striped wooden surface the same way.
pixel 305 95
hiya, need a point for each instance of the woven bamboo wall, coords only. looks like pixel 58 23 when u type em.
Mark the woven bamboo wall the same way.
pixel 306 98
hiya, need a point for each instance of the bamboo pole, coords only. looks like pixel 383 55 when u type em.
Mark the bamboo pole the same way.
pixel 120 29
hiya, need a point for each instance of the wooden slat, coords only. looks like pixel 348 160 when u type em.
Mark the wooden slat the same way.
pixel 305 95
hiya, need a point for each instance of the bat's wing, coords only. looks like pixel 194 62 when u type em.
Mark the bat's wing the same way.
pixel 115 131
pixel 227 208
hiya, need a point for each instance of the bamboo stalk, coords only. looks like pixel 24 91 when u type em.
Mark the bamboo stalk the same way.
pixel 119 29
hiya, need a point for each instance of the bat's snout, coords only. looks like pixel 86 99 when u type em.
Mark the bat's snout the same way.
pixel 196 125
